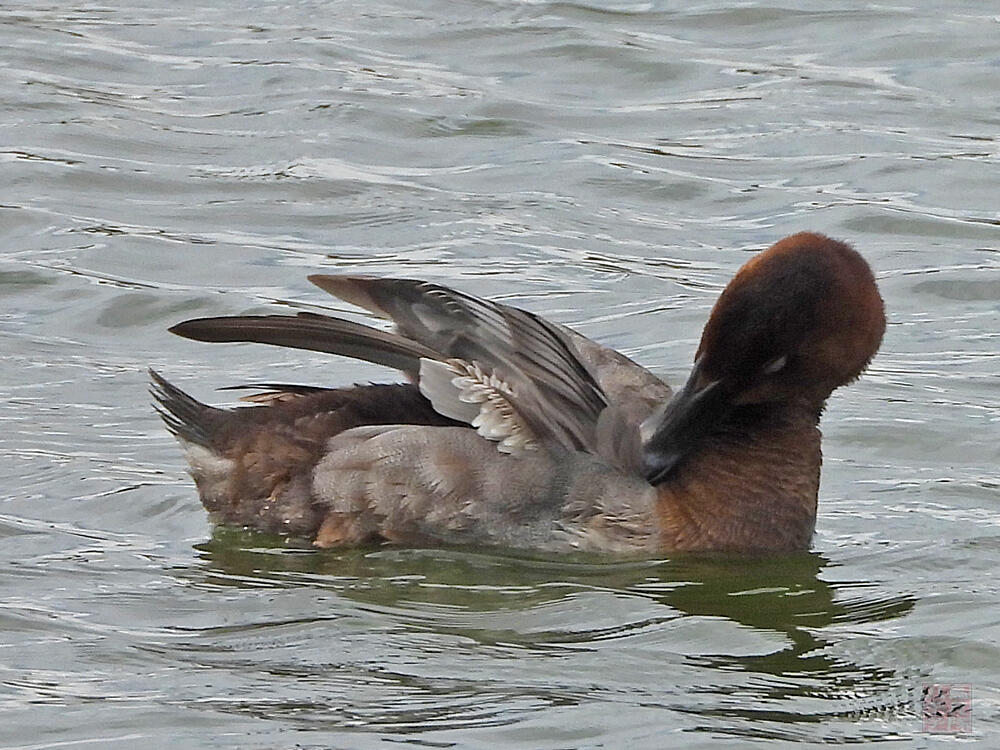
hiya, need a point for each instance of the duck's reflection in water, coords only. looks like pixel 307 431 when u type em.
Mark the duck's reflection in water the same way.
pixel 726 641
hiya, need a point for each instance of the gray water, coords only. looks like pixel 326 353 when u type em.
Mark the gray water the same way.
pixel 608 164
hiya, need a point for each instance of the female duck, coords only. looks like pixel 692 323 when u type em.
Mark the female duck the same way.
pixel 517 432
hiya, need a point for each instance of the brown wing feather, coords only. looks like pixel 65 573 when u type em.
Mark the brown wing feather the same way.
pixel 318 333
pixel 553 390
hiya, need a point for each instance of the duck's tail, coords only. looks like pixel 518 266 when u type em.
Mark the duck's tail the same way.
pixel 186 417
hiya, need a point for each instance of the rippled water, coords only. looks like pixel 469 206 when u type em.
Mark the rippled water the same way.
pixel 607 164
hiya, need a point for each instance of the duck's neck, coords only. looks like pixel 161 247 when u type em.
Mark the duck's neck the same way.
pixel 751 485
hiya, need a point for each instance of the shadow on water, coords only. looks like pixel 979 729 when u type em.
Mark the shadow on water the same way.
pixel 793 674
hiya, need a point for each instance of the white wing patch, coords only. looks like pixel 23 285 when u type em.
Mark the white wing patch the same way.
pixel 464 391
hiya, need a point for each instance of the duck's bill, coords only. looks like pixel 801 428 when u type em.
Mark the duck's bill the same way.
pixel 671 433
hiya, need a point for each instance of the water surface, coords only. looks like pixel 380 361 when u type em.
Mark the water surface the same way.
pixel 606 164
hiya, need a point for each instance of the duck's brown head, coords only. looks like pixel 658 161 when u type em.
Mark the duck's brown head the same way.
pixel 797 321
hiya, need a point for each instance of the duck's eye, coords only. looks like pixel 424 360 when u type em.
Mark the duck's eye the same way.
pixel 775 365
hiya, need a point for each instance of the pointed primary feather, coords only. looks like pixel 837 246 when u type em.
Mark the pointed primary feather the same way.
pixel 318 333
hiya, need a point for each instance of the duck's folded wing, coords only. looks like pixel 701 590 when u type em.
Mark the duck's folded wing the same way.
pixel 548 386
pixel 432 485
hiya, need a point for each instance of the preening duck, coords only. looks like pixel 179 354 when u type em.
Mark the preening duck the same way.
pixel 513 431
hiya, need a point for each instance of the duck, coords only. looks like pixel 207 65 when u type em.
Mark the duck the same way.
pixel 511 431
